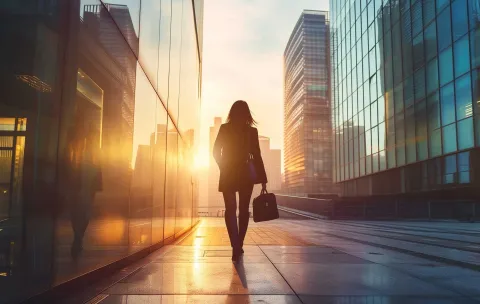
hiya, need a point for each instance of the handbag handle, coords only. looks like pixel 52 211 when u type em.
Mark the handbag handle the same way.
pixel 264 191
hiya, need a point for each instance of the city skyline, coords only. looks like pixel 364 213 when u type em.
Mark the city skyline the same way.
pixel 243 59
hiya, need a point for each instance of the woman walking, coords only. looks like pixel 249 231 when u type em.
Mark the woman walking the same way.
pixel 237 153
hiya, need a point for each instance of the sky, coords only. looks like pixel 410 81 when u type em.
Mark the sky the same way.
pixel 244 41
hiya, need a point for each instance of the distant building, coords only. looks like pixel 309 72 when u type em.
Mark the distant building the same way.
pixel 308 122
pixel 275 177
pixel 272 160
pixel 215 198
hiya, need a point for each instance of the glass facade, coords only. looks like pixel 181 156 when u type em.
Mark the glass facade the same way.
pixel 99 121
pixel 405 81
pixel 308 139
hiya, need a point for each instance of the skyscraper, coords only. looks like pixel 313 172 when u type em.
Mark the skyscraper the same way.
pixel 308 129
pixel 405 83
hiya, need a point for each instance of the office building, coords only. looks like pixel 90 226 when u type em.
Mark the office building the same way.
pixel 405 87
pixel 99 121
pixel 308 153
pixel 272 161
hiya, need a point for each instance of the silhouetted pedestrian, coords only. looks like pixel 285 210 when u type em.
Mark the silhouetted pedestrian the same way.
pixel 237 153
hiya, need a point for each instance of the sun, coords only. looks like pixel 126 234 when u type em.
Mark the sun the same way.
pixel 202 160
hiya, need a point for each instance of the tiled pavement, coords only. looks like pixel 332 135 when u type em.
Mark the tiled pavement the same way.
pixel 289 261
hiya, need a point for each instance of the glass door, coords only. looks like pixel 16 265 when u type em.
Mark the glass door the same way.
pixel 12 146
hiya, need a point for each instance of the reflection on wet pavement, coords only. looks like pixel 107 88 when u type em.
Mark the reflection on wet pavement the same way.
pixel 301 266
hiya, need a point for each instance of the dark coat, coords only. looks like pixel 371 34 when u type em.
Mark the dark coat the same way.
pixel 231 150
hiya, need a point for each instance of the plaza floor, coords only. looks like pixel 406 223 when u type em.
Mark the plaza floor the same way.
pixel 309 261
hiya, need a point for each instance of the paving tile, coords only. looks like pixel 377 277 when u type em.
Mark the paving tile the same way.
pixel 389 257
pixel 324 258
pixel 385 300
pixel 226 258
pixel 257 234
pixel 435 271
pixel 203 278
pixel 296 249
pixel 468 286
pixel 198 299
pixel 355 280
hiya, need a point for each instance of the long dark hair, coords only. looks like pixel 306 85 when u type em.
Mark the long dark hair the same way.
pixel 240 114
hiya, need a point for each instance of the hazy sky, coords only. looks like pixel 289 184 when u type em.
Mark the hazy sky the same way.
pixel 243 49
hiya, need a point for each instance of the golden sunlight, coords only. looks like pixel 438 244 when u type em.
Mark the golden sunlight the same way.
pixel 202 159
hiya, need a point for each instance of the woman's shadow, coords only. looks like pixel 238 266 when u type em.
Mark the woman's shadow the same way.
pixel 241 294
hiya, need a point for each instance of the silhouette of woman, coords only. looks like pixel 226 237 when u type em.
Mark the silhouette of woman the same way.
pixel 236 143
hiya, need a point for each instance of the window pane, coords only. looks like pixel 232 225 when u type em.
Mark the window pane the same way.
pixel 448 104
pixel 398 98
pixel 421 129
pixel 407 45
pixel 432 76
pixel 449 169
pixel 475 47
pixel 408 91
pixel 463 97
pixel 476 92
pixel 374 114
pixel 446 67
pixel 435 143
pixel 368 121
pixel 418 57
pixel 428 10
pixel 430 38
pixel 449 139
pixel 433 111
pixel 459 18
pixel 441 4
pixel 381 136
pixel 419 84
pixel 375 140
pixel 400 139
pixel 397 54
pixel 410 134
pixel 465 133
pixel 368 164
pixel 417 22
pixel 368 142
pixel 463 162
pixel 444 30
pixel 462 56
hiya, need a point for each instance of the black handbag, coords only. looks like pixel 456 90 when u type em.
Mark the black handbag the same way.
pixel 265 207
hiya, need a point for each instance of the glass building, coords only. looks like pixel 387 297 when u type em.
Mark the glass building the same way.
pixel 308 139
pixel 99 120
pixel 406 91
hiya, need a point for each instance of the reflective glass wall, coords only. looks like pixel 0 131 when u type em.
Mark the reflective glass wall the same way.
pixel 405 94
pixel 308 139
pixel 99 120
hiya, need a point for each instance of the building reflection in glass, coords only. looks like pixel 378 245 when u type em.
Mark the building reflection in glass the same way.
pixel 90 157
